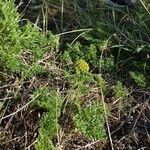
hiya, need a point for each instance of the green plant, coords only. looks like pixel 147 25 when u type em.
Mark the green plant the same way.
pixel 120 91
pixel 22 48
pixel 43 141
pixel 90 121
pixel 121 97
pixel 89 48
pixel 117 37
pixel 101 82
pixel 82 66
pixel 139 78
pixel 48 125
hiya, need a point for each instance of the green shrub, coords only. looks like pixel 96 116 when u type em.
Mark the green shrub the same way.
pixel 91 54
pixel 120 91
pixel 22 48
pixel 121 97
pixel 101 82
pixel 48 125
pixel 139 78
pixel 90 121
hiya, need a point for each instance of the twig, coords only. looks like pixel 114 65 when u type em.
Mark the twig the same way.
pixel 14 113
pixel 87 145
pixel 33 143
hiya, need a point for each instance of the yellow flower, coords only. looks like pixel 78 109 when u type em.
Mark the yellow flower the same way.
pixel 82 66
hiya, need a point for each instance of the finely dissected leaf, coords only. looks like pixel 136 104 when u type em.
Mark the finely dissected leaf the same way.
pixel 120 91
pixel 139 78
pixel 48 125
pixel 15 41
pixel 90 121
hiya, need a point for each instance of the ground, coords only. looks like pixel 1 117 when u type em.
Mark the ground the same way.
pixel 80 79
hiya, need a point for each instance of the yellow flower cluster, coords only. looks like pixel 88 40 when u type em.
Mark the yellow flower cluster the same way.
pixel 82 66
